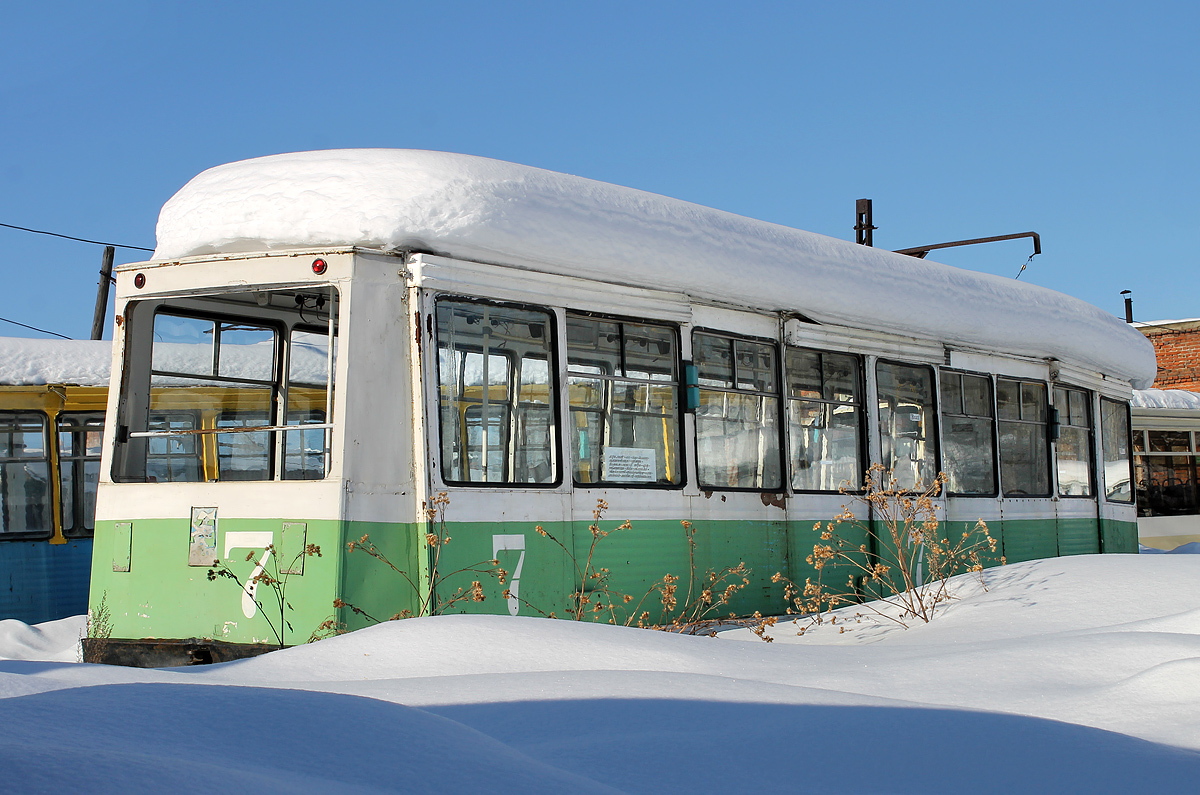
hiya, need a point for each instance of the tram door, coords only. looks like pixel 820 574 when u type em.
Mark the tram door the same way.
pixel 1077 518
pixel 496 430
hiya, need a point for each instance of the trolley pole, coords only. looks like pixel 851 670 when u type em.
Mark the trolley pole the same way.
pixel 106 266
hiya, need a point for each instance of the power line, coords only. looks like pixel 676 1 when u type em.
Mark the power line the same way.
pixel 80 239
pixel 35 328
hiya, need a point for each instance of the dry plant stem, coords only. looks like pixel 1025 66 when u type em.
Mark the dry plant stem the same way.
pixel 99 630
pixel 429 600
pixel 911 561
pixel 276 581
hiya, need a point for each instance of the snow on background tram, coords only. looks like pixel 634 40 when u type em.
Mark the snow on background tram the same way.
pixel 52 400
pixel 530 342
pixel 1166 447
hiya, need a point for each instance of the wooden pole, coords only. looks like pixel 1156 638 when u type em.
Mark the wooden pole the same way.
pixel 106 267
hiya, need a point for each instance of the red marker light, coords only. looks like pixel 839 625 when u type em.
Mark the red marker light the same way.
pixel 139 281
pixel 319 266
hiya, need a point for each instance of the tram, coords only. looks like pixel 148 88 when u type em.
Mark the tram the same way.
pixel 1166 449
pixel 324 342
pixel 53 395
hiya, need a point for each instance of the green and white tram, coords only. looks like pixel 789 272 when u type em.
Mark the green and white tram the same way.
pixel 325 341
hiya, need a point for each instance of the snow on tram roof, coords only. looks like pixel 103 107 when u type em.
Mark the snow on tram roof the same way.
pixel 1165 399
pixel 32 362
pixel 476 208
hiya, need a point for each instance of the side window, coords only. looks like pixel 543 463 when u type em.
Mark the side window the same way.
pixel 1024 453
pixel 1166 473
pixel 80 436
pixel 24 475
pixel 623 389
pixel 825 413
pixel 968 430
pixel 1074 445
pixel 737 421
pixel 496 388
pixel 906 423
pixel 1114 430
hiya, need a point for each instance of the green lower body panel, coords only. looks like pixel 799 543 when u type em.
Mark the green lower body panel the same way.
pixel 1118 537
pixel 1078 536
pixel 141 571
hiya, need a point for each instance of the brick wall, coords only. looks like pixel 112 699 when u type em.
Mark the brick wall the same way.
pixel 1177 346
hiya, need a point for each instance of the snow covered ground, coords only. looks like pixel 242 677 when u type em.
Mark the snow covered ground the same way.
pixel 1066 675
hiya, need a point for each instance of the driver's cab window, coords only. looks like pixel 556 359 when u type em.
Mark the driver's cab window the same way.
pixel 223 388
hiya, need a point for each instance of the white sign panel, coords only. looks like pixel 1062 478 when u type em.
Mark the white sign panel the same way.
pixel 630 465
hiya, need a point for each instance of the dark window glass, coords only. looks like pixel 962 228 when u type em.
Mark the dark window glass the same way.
pixel 305 451
pixel 623 389
pixel 906 423
pixel 220 369
pixel 496 390
pixel 1166 474
pixel 825 414
pixel 968 451
pixel 1114 429
pixel 737 427
pixel 1024 453
pixel 1074 445
pixel 80 437
pixel 24 475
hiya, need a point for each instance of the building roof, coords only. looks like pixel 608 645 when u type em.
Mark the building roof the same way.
pixel 476 208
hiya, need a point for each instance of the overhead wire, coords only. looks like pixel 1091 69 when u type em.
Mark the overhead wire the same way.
pixel 71 237
pixel 64 237
pixel 35 328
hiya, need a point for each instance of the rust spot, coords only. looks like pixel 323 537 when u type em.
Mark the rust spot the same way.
pixel 120 320
pixel 417 327
pixel 723 498
pixel 708 495
pixel 778 500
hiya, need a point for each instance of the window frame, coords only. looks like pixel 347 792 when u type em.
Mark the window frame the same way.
pixel 781 420
pixel 1047 444
pixel 277 385
pixel 1127 413
pixel 142 313
pixel 78 478
pixel 991 379
pixel 935 434
pixel 680 399
pixel 555 365
pixel 51 476
pixel 864 446
pixel 1144 508
pixel 1091 440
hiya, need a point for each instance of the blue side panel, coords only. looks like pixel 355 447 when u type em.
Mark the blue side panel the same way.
pixel 40 581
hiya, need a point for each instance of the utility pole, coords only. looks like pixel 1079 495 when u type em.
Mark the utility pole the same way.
pixel 106 266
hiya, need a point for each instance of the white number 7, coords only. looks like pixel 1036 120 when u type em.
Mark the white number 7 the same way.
pixel 511 543
pixel 250 540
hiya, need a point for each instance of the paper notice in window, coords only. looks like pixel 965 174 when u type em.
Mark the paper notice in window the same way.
pixel 630 465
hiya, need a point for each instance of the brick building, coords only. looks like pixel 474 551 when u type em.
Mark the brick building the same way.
pixel 1177 346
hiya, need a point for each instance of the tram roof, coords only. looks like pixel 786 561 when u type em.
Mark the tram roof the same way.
pixel 482 209
pixel 33 362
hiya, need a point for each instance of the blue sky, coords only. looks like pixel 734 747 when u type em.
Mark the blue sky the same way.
pixel 960 120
